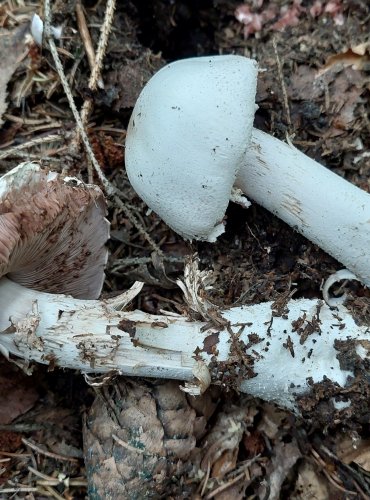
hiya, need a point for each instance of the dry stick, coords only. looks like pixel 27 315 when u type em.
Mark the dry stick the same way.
pixel 95 79
pixel 46 453
pixel 110 190
pixel 96 68
pixel 226 486
pixel 282 84
pixel 48 489
pixel 100 53
pixel 30 144
pixel 85 35
pixel 22 489
pixel 89 49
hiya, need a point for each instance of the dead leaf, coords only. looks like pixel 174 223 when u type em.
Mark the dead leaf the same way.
pixel 285 456
pixel 222 442
pixel 10 441
pixel 309 485
pixel 17 393
pixel 357 451
pixel 304 84
pixel 356 60
pixel 127 83
pixel 273 420
pixel 254 443
pixel 11 48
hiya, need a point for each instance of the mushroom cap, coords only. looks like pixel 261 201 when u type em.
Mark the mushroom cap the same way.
pixel 187 135
pixel 52 232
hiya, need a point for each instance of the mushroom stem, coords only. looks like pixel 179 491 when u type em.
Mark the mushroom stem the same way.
pixel 277 355
pixel 325 208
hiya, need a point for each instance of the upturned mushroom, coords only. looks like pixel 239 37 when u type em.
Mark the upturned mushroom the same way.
pixel 52 232
pixel 190 148
pixel 52 238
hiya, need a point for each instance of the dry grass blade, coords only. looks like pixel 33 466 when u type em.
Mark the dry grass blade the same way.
pixel 85 34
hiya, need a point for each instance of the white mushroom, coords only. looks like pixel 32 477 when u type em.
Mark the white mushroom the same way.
pixel 189 143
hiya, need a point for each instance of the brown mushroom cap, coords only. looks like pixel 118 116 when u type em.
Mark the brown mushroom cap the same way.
pixel 52 232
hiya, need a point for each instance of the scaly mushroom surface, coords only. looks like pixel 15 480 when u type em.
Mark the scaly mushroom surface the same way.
pixel 52 232
pixel 279 356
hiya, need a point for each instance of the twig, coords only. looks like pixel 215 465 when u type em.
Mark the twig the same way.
pixel 19 490
pixel 131 217
pixel 49 454
pixel 228 485
pixel 54 52
pixel 95 76
pixel 103 42
pixel 30 144
pixel 51 491
pixel 127 446
pixel 102 46
pixel 47 154
pixel 17 455
pixel 282 83
pixel 205 480
pixel 46 480
pixel 333 479
pixel 138 261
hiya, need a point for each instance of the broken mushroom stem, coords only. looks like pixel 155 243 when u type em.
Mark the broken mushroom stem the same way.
pixel 278 353
pixel 322 206
pixel 190 148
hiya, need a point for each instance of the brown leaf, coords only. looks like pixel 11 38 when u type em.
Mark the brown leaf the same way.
pixel 128 82
pixel 309 484
pixel 349 450
pixel 11 48
pixel 355 57
pixel 222 442
pixel 17 394
pixel 10 441
pixel 254 443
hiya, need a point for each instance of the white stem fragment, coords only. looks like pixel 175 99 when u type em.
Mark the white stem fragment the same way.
pixel 325 208
pixel 342 274
pixel 37 29
pixel 274 352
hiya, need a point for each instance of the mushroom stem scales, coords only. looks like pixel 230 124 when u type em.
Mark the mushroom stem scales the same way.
pixel 275 356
